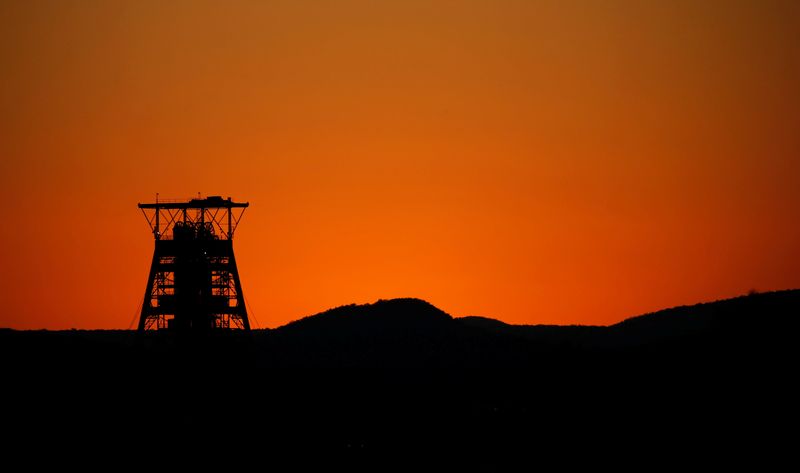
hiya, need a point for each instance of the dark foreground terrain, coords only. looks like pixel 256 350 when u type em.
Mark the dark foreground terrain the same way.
pixel 400 384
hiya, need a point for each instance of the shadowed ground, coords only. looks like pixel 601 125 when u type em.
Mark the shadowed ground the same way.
pixel 401 384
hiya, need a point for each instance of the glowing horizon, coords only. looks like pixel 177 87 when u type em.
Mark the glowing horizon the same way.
pixel 535 162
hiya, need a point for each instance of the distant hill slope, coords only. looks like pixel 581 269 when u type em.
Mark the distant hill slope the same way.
pixel 382 316
pixel 752 319
pixel 772 312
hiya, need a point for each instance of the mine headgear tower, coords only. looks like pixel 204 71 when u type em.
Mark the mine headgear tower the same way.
pixel 193 283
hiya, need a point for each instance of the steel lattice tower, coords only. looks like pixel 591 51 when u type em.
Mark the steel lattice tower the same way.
pixel 193 283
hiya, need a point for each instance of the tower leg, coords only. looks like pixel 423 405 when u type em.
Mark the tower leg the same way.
pixel 240 307
pixel 148 291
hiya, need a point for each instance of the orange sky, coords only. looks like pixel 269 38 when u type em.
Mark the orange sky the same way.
pixel 537 162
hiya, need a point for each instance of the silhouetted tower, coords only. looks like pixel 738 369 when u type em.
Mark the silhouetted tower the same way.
pixel 193 282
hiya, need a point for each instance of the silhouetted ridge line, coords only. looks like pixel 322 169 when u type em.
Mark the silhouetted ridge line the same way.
pixel 770 315
pixel 483 322
pixel 381 316
pixel 774 306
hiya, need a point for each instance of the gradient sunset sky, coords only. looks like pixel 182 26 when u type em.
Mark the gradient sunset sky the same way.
pixel 569 162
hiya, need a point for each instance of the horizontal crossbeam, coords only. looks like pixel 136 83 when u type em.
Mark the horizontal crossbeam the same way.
pixel 212 202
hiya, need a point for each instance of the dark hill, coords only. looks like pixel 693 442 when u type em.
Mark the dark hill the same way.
pixel 399 384
pixel 752 319
pixel 382 317
pixel 484 323
pixel 741 316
